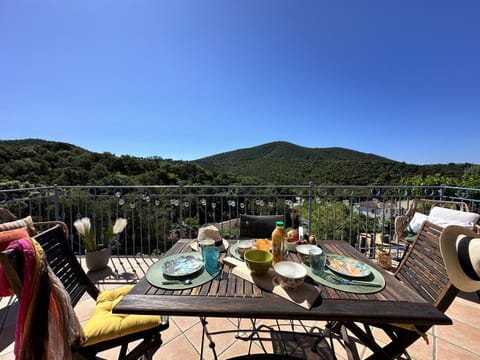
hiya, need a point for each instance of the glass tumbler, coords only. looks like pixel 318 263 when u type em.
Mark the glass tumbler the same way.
pixel 317 261
pixel 210 258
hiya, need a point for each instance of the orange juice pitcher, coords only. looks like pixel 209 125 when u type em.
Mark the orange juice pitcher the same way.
pixel 278 242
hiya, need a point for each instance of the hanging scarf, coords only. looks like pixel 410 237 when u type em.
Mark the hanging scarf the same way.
pixel 47 327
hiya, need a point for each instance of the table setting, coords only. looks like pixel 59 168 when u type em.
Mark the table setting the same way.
pixel 345 274
pixel 182 271
pixel 190 269
pixel 332 270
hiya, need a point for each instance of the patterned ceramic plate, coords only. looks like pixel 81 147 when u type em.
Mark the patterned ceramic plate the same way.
pixel 182 265
pixel 347 266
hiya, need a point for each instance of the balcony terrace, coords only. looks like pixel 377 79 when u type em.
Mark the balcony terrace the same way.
pixel 159 215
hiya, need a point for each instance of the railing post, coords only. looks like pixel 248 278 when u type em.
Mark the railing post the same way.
pixel 310 198
pixel 55 201
pixel 180 207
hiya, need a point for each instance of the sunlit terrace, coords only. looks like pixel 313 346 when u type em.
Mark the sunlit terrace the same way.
pixel 160 215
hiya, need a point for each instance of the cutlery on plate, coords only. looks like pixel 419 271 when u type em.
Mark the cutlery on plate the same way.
pixel 358 282
pixel 181 282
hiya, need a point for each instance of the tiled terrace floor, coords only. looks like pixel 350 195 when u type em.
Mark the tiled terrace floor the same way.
pixel 183 339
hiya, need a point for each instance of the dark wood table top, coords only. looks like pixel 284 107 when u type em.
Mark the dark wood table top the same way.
pixel 231 296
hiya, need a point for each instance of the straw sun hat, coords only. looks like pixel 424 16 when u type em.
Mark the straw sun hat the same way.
pixel 460 248
pixel 213 233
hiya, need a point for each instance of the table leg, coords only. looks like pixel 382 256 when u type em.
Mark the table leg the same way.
pixel 205 332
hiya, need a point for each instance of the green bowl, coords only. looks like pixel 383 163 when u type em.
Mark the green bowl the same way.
pixel 258 261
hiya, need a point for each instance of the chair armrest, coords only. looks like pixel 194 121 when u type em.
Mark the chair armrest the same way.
pixel 476 228
pixel 401 224
pixel 42 226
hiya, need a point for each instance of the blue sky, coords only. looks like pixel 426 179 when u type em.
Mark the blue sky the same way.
pixel 188 79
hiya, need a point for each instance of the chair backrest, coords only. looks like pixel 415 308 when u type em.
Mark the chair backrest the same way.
pixel 61 259
pixel 258 226
pixel 422 268
pixel 6 216
pixel 425 205
pixel 64 263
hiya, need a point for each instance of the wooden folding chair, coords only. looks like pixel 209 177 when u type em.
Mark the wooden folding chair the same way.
pixel 422 269
pixel 258 226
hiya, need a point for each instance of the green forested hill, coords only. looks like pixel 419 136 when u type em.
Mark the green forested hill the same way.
pixel 286 163
pixel 34 162
pixel 284 151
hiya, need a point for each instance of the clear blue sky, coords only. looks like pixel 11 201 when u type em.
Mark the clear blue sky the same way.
pixel 188 79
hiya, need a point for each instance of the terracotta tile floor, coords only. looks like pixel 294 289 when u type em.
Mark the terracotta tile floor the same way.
pixel 183 338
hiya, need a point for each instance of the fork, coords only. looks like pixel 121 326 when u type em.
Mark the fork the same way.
pixel 358 282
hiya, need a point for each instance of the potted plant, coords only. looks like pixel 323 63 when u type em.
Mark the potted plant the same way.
pixel 97 253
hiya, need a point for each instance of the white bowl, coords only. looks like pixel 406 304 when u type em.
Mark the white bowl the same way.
pixel 290 274
pixel 291 246
pixel 303 251
pixel 244 246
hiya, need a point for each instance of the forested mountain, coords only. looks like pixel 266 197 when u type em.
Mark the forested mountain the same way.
pixel 38 162
pixel 34 162
pixel 286 163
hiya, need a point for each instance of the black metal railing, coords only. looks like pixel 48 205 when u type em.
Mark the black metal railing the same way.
pixel 159 215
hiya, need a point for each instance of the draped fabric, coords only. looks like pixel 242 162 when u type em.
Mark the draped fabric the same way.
pixel 47 327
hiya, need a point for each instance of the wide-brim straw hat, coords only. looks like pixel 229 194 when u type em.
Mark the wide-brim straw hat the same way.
pixel 213 233
pixel 460 248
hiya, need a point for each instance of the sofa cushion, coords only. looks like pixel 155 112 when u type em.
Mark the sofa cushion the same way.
pixel 444 216
pixel 416 222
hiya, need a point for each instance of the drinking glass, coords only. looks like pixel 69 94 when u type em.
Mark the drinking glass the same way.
pixel 202 244
pixel 317 260
pixel 210 258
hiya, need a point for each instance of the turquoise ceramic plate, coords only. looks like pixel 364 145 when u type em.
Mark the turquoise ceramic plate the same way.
pixel 182 265
pixel 347 266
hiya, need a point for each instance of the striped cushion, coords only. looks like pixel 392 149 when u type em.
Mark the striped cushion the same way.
pixel 25 222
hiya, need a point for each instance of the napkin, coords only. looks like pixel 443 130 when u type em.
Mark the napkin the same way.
pixel 304 296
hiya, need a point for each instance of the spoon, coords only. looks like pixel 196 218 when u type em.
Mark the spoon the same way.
pixel 172 282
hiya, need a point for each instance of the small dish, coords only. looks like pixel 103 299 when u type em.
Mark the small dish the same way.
pixel 244 246
pixel 292 246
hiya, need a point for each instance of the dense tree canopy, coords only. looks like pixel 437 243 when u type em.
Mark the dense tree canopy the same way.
pixel 39 162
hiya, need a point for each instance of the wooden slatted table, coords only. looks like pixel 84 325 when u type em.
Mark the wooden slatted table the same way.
pixel 229 296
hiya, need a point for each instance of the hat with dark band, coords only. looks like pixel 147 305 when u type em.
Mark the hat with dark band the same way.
pixel 460 248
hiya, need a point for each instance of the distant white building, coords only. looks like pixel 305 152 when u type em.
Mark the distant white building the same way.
pixel 375 209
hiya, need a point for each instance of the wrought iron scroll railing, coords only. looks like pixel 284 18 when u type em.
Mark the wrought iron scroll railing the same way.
pixel 159 215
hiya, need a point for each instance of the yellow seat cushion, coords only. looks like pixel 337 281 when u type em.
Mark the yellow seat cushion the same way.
pixel 104 325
